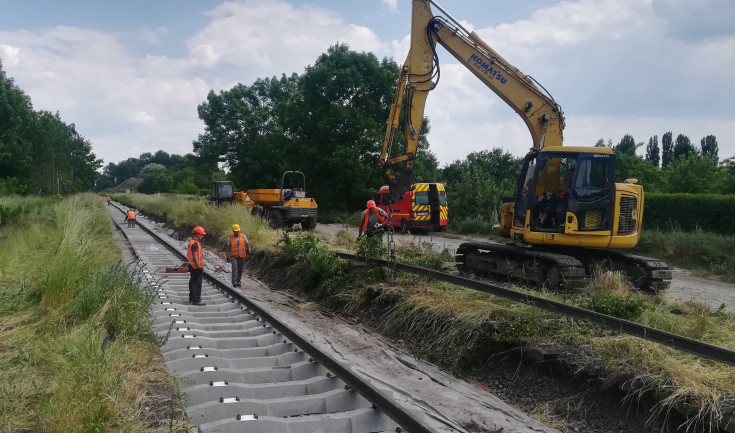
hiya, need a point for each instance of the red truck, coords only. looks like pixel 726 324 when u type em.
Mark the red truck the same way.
pixel 423 207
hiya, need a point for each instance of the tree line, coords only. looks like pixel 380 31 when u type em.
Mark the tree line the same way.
pixel 329 123
pixel 39 153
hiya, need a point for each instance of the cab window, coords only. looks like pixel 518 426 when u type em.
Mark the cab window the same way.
pixel 592 181
pixel 422 198
pixel 442 198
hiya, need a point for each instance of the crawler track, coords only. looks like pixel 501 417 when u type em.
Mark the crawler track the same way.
pixel 244 371
pixel 565 268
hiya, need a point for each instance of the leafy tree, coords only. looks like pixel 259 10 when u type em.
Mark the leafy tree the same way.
pixel 475 184
pixel 667 149
pixel 627 145
pixel 696 174
pixel 634 167
pixel 652 151
pixel 601 143
pixel 683 147
pixel 709 146
pixel 39 153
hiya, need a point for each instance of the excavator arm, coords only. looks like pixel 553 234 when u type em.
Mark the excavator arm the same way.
pixel 420 74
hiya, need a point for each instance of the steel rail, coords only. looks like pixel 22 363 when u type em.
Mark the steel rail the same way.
pixel 675 341
pixel 397 413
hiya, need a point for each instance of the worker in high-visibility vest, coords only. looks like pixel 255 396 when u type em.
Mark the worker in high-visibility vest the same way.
pixel 108 199
pixel 372 221
pixel 130 218
pixel 195 257
pixel 237 249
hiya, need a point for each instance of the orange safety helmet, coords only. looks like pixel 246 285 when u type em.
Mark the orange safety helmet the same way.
pixel 199 230
pixel 370 204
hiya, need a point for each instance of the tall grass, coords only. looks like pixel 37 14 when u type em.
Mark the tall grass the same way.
pixel 63 290
pixel 706 254
pixel 186 212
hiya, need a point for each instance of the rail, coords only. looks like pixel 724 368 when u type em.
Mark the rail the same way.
pixel 675 341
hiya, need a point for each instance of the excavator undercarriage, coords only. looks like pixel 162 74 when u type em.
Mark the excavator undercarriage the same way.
pixel 559 268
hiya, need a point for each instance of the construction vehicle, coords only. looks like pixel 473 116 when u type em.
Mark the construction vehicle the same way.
pixel 595 216
pixel 282 207
pixel 423 207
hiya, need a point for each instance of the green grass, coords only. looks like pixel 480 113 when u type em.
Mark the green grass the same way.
pixel 705 254
pixel 186 212
pixel 63 290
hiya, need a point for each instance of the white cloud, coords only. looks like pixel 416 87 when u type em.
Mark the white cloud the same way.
pixel 274 37
pixel 392 5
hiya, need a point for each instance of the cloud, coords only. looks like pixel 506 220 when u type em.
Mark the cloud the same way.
pixel 253 39
pixel 613 66
pixel 392 5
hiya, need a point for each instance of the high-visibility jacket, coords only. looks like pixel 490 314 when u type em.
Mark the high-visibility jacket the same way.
pixel 366 218
pixel 194 254
pixel 131 215
pixel 238 246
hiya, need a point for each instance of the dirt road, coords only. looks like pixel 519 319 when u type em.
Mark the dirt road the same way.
pixel 684 285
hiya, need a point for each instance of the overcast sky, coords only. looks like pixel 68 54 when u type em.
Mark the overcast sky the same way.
pixel 130 74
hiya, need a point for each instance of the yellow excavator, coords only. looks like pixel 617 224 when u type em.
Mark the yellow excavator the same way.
pixel 567 214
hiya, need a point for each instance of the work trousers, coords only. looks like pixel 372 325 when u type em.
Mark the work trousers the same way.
pixel 237 264
pixel 131 223
pixel 195 284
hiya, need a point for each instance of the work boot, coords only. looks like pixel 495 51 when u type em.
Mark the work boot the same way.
pixel 198 304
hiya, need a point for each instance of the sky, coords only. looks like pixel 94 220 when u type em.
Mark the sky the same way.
pixel 130 74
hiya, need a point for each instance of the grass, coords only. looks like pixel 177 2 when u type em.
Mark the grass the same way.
pixel 186 212
pixel 706 254
pixel 63 291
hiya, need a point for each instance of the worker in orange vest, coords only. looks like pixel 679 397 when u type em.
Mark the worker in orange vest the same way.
pixel 372 221
pixel 195 257
pixel 130 218
pixel 108 199
pixel 237 249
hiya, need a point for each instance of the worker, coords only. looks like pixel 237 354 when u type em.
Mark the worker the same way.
pixel 372 221
pixel 237 249
pixel 195 257
pixel 130 218
pixel 108 199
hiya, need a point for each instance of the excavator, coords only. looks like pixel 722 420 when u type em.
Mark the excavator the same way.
pixel 567 214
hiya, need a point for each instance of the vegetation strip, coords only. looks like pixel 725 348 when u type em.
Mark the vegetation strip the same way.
pixel 396 412
pixel 685 344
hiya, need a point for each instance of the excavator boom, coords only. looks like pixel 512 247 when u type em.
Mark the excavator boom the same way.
pixel 420 74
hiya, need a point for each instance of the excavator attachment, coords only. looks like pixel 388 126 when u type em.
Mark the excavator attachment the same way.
pixel 399 185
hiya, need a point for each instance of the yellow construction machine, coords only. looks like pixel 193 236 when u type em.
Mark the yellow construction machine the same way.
pixel 567 214
pixel 282 207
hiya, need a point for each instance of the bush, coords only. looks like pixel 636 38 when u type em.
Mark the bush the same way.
pixel 623 308
pixel 690 212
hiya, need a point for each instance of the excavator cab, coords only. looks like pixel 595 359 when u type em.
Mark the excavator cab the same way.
pixel 565 191
pixel 221 191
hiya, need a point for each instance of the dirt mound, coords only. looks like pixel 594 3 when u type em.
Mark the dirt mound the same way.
pixel 130 183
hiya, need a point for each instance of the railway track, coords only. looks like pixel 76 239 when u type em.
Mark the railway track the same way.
pixel 244 371
pixel 678 342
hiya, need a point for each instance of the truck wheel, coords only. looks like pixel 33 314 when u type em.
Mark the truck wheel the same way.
pixel 310 224
pixel 277 219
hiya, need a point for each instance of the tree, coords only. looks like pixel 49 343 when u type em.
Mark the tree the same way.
pixel 652 151
pixel 695 174
pixel 667 149
pixel 634 167
pixel 709 146
pixel 627 145
pixel 475 184
pixel 683 147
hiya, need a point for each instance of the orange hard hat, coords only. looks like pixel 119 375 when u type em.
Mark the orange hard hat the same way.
pixel 370 204
pixel 199 230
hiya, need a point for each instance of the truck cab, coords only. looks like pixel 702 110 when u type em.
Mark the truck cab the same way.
pixel 423 207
